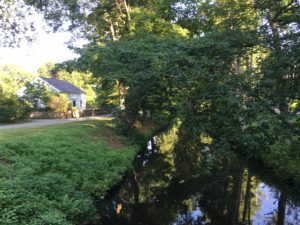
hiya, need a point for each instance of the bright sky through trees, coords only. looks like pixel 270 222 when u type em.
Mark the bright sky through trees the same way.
pixel 51 47
pixel 47 47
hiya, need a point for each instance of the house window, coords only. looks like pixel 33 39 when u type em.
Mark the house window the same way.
pixel 80 103
pixel 74 103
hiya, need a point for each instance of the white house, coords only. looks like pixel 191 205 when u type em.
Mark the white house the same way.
pixel 76 96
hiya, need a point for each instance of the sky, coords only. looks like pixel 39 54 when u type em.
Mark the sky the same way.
pixel 48 47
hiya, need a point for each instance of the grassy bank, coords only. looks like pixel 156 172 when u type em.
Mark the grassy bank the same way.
pixel 50 175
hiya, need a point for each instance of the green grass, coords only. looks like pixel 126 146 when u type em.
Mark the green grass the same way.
pixel 50 175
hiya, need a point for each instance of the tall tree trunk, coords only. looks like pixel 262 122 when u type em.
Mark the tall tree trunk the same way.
pixel 152 145
pixel 136 197
pixel 135 187
pixel 249 211
pixel 115 33
pixel 247 199
pixel 121 92
pixel 128 17
pixel 112 31
pixel 237 189
pixel 276 44
pixel 275 34
pixel 281 208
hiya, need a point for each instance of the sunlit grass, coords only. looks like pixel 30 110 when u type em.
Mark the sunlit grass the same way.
pixel 50 174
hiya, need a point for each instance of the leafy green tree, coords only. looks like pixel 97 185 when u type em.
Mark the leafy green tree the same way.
pixel 47 70
pixel 142 65
pixel 11 109
pixel 107 94
pixel 13 77
pixel 36 94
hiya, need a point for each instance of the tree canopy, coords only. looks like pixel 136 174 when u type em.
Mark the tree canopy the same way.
pixel 12 77
pixel 235 62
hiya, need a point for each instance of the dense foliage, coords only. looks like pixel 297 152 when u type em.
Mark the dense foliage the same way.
pixel 36 94
pixel 227 70
pixel 12 78
pixel 11 108
pixel 50 175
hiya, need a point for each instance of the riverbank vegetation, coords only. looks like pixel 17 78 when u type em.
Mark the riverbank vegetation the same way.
pixel 52 175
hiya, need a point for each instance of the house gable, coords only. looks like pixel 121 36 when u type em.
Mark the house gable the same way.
pixel 63 86
pixel 37 80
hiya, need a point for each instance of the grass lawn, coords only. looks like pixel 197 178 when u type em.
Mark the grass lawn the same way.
pixel 50 175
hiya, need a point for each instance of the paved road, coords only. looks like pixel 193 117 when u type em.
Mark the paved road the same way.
pixel 45 122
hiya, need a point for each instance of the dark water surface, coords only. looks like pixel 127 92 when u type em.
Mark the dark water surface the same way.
pixel 186 185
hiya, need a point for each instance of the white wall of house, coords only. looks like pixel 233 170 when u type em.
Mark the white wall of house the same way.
pixel 78 101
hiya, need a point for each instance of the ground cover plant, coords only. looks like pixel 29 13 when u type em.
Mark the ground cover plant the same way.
pixel 50 175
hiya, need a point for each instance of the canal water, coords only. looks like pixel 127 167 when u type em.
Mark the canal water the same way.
pixel 184 184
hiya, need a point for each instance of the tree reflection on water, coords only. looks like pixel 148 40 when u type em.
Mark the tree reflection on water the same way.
pixel 187 184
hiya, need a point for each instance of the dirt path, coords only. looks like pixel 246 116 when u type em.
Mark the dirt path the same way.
pixel 46 122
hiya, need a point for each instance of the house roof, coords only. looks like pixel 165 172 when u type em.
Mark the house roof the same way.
pixel 63 86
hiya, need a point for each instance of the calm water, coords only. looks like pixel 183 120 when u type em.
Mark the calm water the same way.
pixel 186 185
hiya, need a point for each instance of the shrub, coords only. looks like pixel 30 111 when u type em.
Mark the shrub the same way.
pixel 11 109
pixel 58 103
